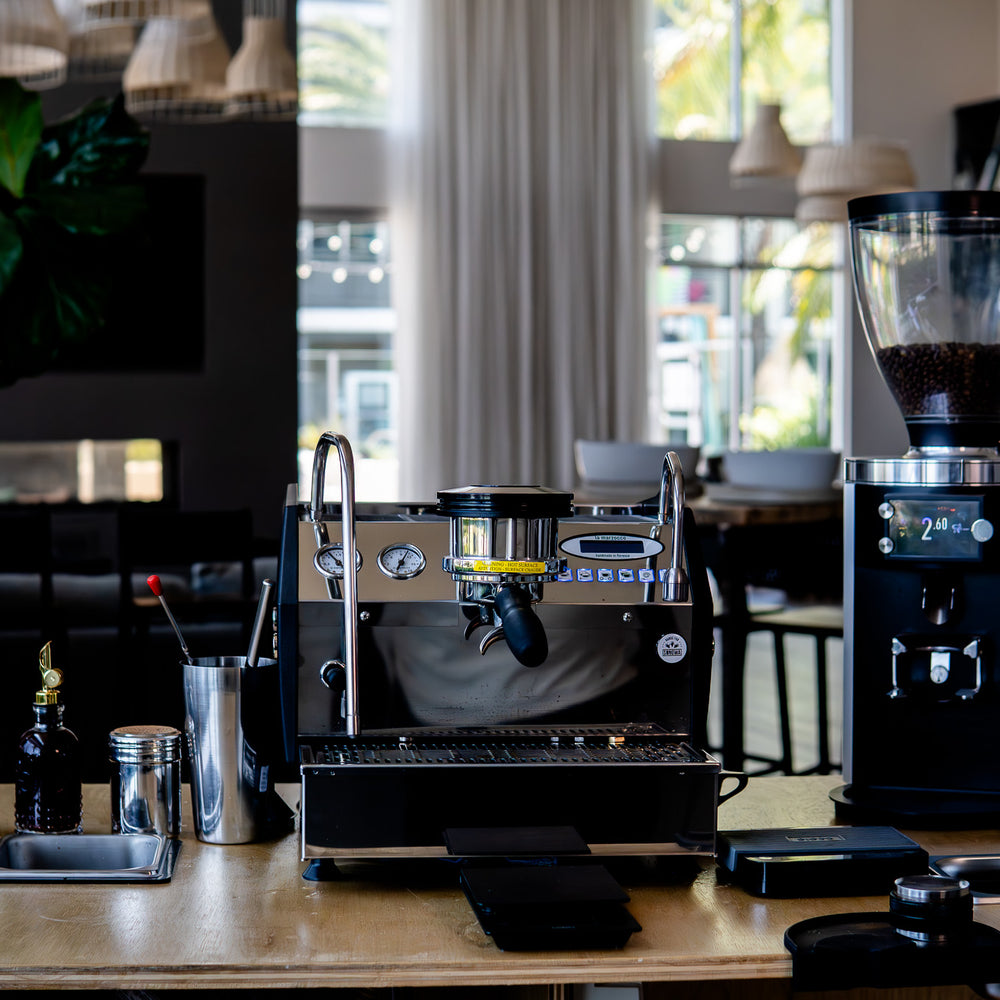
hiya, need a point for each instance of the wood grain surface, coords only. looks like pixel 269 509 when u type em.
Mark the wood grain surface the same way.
pixel 242 916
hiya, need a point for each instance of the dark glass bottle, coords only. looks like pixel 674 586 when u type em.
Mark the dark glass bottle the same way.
pixel 47 786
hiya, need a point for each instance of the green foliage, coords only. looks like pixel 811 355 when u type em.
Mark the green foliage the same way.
pixel 69 198
pixel 343 70
pixel 770 428
pixel 785 58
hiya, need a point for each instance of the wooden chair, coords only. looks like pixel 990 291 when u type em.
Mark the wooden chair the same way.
pixel 804 560
pixel 821 622
pixel 26 597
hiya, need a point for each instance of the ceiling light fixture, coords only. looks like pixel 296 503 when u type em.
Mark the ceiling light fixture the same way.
pixel 765 151
pixel 34 43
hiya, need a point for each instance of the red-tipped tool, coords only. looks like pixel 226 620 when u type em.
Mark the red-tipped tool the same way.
pixel 157 588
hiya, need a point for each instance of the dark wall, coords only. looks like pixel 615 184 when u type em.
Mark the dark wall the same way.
pixel 234 420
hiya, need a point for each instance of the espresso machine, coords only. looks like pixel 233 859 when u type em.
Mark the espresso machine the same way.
pixel 497 666
pixel 922 560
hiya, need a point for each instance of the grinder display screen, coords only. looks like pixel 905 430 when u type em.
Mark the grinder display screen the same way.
pixel 940 528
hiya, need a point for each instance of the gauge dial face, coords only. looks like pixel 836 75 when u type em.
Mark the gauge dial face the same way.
pixel 329 560
pixel 401 561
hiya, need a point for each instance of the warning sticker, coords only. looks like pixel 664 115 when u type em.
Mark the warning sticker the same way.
pixel 499 566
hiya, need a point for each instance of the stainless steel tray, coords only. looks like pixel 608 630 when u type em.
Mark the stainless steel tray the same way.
pixel 87 857
pixel 982 871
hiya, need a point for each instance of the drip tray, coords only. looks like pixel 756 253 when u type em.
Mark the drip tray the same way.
pixel 87 857
pixel 981 871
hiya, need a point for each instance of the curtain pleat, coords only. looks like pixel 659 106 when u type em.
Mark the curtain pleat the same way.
pixel 518 209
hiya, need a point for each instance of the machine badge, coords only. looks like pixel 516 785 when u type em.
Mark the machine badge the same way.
pixel 671 648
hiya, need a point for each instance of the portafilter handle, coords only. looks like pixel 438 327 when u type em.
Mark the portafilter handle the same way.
pixel 521 627
pixel 327 439
pixel 675 585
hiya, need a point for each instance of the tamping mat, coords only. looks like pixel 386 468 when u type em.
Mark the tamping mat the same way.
pixel 533 908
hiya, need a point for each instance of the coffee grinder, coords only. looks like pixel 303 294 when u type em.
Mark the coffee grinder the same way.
pixel 922 558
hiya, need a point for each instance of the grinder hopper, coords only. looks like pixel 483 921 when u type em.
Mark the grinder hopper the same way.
pixel 927 278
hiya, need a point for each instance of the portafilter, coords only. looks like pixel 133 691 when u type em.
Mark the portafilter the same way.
pixel 503 548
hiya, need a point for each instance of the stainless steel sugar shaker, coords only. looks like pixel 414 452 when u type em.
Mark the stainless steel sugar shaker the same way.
pixel 146 780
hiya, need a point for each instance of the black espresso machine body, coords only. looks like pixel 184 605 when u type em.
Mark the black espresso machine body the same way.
pixel 444 729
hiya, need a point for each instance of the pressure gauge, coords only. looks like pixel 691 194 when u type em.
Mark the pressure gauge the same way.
pixel 401 561
pixel 329 560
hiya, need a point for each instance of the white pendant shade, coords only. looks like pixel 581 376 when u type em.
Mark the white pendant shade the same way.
pixel 765 151
pixel 96 48
pixel 178 68
pixel 262 77
pixel 34 43
pixel 832 175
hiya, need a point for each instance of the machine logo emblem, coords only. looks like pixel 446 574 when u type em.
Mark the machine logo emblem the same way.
pixel 671 648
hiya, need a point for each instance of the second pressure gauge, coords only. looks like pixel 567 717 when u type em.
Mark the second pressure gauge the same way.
pixel 401 561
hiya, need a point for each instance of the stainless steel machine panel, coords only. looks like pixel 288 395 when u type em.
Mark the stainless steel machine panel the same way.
pixel 412 707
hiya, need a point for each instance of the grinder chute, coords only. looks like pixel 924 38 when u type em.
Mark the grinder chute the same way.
pixel 503 548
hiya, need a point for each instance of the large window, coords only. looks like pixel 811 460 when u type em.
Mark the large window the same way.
pixel 715 60
pixel 743 353
pixel 347 381
pixel 343 62
pixel 744 346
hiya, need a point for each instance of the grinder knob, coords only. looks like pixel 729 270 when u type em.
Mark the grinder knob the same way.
pixel 522 628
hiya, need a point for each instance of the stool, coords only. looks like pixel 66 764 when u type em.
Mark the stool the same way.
pixel 822 622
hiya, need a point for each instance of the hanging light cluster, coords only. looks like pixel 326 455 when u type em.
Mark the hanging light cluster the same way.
pixel 173 60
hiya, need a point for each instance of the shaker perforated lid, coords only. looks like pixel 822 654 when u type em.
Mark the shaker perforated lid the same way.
pixel 145 744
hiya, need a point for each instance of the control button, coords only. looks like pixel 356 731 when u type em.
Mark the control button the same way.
pixel 605 575
pixel 566 576
pixel 646 576
pixel 885 510
pixel 626 576
pixel 886 545
pixel 584 575
pixel 982 530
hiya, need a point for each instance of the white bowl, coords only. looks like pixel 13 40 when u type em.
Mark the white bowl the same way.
pixel 629 461
pixel 799 469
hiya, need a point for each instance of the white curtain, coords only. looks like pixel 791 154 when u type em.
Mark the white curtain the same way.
pixel 518 206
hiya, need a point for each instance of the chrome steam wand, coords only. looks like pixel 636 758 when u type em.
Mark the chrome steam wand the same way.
pixel 675 584
pixel 347 529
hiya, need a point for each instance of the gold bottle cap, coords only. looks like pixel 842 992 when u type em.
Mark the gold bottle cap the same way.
pixel 51 678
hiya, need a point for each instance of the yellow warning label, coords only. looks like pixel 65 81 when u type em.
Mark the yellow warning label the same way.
pixel 500 566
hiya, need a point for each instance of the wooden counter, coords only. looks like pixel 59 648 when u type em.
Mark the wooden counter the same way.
pixel 242 916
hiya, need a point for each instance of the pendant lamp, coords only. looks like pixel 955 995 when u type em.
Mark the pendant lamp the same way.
pixel 765 151
pixel 262 80
pixel 833 174
pixel 178 68
pixel 34 43
pixel 97 49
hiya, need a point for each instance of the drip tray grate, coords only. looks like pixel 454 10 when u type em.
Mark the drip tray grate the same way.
pixel 509 745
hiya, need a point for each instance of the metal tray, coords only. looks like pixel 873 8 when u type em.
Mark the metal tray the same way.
pixel 981 871
pixel 87 857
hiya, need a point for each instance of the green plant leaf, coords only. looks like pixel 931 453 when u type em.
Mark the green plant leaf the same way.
pixel 97 209
pixel 11 249
pixel 101 143
pixel 71 272
pixel 20 133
